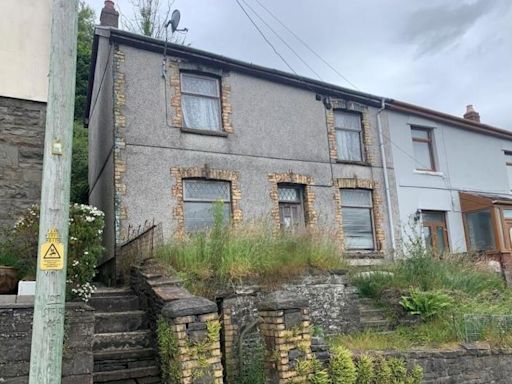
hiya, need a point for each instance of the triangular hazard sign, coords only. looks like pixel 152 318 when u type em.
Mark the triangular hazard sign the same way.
pixel 52 253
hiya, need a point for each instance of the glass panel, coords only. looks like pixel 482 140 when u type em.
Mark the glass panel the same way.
pixel 291 215
pixel 289 194
pixel 357 228
pixel 480 234
pixel 349 145
pixel 509 173
pixel 199 215
pixel 441 244
pixel 422 155
pixel 347 120
pixel 200 112
pixel 356 198
pixel 420 133
pixel 199 85
pixel 427 236
pixel 508 157
pixel 507 213
pixel 433 217
pixel 206 190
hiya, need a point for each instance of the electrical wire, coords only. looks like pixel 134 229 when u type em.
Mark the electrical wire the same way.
pixel 282 39
pixel 265 37
pixel 307 45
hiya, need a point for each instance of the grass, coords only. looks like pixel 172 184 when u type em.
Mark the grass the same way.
pixel 225 256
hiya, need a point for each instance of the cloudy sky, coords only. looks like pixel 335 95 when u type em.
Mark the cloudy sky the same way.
pixel 438 54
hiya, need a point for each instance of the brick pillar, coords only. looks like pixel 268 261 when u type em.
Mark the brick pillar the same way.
pixel 194 355
pixel 286 330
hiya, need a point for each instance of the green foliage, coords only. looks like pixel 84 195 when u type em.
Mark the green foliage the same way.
pixel 83 56
pixel 398 370
pixel 426 304
pixel 365 370
pixel 225 255
pixel 383 373
pixel 84 246
pixel 79 192
pixel 341 366
pixel 416 375
pixel 168 351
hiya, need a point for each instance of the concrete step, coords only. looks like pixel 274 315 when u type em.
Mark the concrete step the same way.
pixel 119 303
pixel 104 342
pixel 125 375
pixel 110 322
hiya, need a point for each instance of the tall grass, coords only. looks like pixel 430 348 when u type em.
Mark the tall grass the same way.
pixel 224 255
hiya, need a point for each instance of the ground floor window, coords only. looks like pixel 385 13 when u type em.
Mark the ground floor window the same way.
pixel 199 196
pixel 291 206
pixel 357 219
pixel 479 230
pixel 434 231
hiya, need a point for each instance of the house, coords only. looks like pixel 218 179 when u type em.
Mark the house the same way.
pixel 173 129
pixel 24 61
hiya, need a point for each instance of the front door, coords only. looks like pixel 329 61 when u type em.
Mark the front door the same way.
pixel 434 231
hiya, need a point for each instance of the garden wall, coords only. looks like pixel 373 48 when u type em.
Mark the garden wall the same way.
pixel 15 342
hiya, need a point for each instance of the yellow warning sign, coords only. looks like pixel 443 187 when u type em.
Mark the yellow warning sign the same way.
pixel 52 252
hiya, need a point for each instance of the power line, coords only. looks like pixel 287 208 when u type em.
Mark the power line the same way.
pixel 264 37
pixel 307 46
pixel 282 39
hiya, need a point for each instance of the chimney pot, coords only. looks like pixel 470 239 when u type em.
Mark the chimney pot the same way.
pixel 471 114
pixel 109 17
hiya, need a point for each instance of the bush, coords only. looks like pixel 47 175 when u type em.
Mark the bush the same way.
pixel 84 246
pixel 383 373
pixel 426 304
pixel 341 366
pixel 365 370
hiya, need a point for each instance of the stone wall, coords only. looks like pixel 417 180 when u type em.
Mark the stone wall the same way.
pixel 15 342
pixel 21 156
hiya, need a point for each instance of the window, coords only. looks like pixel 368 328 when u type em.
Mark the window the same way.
pixel 357 217
pixel 200 102
pixel 508 159
pixel 480 230
pixel 422 145
pixel 291 210
pixel 199 197
pixel 348 136
pixel 434 231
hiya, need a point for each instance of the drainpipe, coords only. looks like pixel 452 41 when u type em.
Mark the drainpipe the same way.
pixel 386 180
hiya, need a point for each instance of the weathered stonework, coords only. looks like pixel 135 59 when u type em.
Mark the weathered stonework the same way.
pixel 377 207
pixel 22 125
pixel 175 65
pixel 339 104
pixel 204 172
pixel 121 211
pixel 275 179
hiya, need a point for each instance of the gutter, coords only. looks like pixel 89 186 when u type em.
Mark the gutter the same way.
pixel 386 180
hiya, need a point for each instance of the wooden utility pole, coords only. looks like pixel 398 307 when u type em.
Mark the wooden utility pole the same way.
pixel 48 327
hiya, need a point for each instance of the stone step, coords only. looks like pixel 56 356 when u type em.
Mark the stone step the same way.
pixel 363 308
pixel 120 303
pixel 124 354
pixel 110 291
pixel 118 364
pixel 110 322
pixel 376 325
pixel 364 263
pixel 124 375
pixel 104 342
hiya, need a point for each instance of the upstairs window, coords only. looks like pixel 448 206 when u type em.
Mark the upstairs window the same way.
pixel 357 219
pixel 200 102
pixel 291 206
pixel 349 136
pixel 199 197
pixel 422 145
pixel 508 162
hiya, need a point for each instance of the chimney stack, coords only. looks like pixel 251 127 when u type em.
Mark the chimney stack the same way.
pixel 109 17
pixel 471 114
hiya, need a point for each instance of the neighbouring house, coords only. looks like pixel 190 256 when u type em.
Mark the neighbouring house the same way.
pixel 24 61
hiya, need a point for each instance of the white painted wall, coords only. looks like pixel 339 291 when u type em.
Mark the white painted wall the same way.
pixel 24 48
pixel 465 161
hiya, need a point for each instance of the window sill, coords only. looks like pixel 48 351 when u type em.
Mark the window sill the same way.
pixel 363 163
pixel 364 254
pixel 430 173
pixel 204 132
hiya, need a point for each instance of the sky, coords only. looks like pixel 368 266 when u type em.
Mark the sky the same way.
pixel 439 54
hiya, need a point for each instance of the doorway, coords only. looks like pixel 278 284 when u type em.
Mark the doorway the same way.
pixel 435 232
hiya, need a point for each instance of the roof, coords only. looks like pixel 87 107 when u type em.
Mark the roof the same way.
pixel 154 45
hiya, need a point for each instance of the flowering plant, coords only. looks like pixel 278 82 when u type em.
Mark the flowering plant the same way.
pixel 84 246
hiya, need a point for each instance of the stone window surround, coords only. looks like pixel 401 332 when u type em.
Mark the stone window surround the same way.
pixel 355 183
pixel 350 106
pixel 176 67
pixel 205 172
pixel 310 216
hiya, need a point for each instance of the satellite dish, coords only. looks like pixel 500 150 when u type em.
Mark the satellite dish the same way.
pixel 175 20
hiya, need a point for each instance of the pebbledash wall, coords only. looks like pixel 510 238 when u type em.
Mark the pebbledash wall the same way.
pixel 273 133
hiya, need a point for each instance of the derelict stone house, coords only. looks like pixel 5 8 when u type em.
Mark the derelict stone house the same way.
pixel 167 140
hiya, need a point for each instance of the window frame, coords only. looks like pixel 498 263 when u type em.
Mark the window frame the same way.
pixel 186 200
pixel 361 132
pixel 300 203
pixel 508 165
pixel 372 218
pixel 429 141
pixel 494 232
pixel 206 76
pixel 432 224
